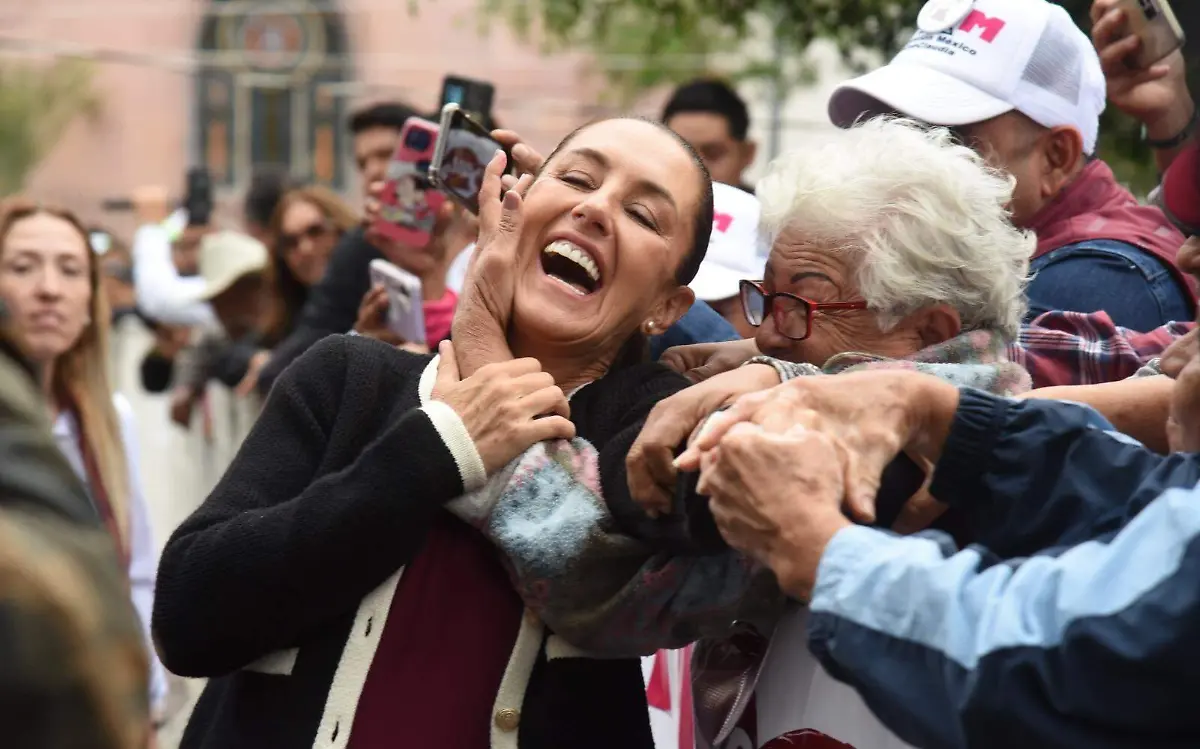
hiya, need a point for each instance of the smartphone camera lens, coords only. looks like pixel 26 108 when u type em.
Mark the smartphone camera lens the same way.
pixel 417 140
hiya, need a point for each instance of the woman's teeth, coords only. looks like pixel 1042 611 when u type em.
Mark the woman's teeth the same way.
pixel 573 253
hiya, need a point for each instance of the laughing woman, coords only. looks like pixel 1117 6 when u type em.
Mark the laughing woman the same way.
pixel 323 586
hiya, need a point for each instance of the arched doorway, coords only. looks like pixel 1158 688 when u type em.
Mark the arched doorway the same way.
pixel 267 91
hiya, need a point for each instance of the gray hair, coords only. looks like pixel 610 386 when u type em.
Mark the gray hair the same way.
pixel 927 216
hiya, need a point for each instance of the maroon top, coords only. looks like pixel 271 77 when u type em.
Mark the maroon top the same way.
pixel 445 645
pixel 1095 206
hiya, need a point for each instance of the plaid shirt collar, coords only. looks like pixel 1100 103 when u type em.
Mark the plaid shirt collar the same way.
pixel 1073 348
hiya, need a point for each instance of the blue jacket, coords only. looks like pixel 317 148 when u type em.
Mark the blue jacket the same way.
pixel 1137 289
pixel 701 324
pixel 1074 623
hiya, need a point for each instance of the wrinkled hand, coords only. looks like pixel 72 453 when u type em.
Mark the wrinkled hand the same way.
pixel 250 379
pixel 650 463
pixel 699 361
pixel 777 498
pixel 484 308
pixel 922 510
pixel 1153 95
pixel 525 159
pixel 504 406
pixel 490 273
pixel 872 416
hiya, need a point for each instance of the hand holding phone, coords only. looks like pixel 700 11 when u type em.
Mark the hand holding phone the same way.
pixel 406 313
pixel 409 203
pixel 463 150
pixel 1143 81
pixel 1159 34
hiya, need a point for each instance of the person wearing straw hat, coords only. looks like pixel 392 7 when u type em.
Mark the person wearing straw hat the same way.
pixel 233 270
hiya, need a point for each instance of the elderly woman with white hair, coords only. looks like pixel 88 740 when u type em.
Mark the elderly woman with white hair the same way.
pixel 891 247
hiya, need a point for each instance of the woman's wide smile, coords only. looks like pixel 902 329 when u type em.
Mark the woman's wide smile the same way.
pixel 572 264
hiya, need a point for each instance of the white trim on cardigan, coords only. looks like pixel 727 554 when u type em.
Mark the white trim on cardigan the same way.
pixel 341 704
pixel 511 694
pixel 452 430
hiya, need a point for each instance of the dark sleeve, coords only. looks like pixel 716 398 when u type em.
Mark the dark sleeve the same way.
pixel 34 473
pixel 1032 474
pixel 157 371
pixel 230 362
pixel 1136 290
pixel 332 306
pixel 293 536
pixel 611 415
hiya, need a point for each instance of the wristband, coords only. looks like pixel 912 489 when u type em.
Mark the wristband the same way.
pixel 1177 141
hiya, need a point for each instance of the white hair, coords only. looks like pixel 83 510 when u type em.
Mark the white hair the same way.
pixel 927 216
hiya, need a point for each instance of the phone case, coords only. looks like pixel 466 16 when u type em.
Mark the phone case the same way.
pixel 1154 21
pixel 460 158
pixel 406 315
pixel 410 204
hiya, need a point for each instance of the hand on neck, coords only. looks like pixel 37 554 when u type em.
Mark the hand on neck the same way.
pixel 571 366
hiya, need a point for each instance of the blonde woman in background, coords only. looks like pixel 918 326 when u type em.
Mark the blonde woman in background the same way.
pixel 50 285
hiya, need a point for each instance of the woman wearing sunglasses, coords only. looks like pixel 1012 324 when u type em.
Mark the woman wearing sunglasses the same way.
pixel 307 224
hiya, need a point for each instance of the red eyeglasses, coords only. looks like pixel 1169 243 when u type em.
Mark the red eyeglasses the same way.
pixel 792 314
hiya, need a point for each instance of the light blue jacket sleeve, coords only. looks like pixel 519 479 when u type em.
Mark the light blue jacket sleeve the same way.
pixel 1088 641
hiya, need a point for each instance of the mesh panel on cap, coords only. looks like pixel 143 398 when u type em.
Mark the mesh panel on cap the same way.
pixel 1056 65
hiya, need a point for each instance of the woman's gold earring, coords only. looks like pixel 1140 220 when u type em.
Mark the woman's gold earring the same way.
pixel 649 327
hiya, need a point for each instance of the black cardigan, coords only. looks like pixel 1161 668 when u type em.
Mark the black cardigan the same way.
pixel 332 304
pixel 330 494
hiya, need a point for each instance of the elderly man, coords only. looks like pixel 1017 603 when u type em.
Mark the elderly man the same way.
pixel 1023 85
pixel 1073 624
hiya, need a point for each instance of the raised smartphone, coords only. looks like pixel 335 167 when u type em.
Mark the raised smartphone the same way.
pixel 463 150
pixel 410 203
pixel 475 97
pixel 406 315
pixel 1155 23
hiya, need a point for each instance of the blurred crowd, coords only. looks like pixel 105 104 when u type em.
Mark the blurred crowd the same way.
pixel 894 448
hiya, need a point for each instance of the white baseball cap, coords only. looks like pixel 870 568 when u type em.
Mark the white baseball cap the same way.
pixel 972 60
pixel 227 256
pixel 734 251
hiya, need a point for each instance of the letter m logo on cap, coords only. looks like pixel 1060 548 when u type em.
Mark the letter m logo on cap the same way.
pixel 977 20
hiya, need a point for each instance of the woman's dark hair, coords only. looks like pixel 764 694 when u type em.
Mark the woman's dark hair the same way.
pixel 702 228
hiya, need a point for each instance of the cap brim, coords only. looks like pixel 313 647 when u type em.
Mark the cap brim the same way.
pixel 914 91
pixel 715 282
